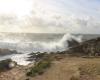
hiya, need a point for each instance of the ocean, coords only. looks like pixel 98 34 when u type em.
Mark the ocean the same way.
pixel 26 43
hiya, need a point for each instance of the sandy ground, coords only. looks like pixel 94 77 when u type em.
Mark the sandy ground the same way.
pixel 63 69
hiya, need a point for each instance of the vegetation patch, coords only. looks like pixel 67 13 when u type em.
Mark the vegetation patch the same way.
pixel 4 65
pixel 39 68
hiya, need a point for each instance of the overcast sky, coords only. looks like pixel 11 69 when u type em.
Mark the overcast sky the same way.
pixel 50 16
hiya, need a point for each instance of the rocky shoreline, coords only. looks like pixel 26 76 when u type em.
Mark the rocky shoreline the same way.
pixel 88 49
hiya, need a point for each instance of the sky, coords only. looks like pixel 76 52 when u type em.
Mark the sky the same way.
pixel 50 16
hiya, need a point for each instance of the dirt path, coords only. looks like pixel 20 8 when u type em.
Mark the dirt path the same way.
pixel 60 70
pixel 65 69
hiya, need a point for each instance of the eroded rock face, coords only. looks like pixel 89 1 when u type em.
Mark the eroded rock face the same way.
pixel 90 47
pixel 73 43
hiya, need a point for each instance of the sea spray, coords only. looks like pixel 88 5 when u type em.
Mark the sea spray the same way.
pixel 40 46
pixel 21 59
pixel 37 46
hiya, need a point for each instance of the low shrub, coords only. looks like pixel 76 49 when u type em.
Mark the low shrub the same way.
pixel 39 68
pixel 4 65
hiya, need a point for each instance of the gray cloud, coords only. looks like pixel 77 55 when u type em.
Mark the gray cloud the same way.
pixel 7 19
pixel 43 20
pixel 53 23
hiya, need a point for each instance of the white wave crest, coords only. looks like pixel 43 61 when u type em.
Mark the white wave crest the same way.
pixel 38 46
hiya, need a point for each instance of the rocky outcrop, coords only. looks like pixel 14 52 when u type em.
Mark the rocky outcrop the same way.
pixel 90 47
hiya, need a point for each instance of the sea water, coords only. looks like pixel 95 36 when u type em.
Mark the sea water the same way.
pixel 26 43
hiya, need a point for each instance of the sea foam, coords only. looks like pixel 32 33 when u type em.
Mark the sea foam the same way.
pixel 37 46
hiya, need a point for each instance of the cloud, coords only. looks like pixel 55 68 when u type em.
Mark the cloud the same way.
pixel 8 19
pixel 58 16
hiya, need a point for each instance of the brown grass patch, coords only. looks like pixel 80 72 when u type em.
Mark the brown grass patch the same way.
pixel 90 68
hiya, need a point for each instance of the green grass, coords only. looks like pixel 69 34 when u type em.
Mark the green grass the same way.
pixel 39 68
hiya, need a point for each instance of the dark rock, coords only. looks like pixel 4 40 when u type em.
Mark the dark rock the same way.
pixel 90 48
pixel 72 43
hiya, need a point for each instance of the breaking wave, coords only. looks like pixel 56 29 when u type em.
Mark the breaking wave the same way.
pixel 37 46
